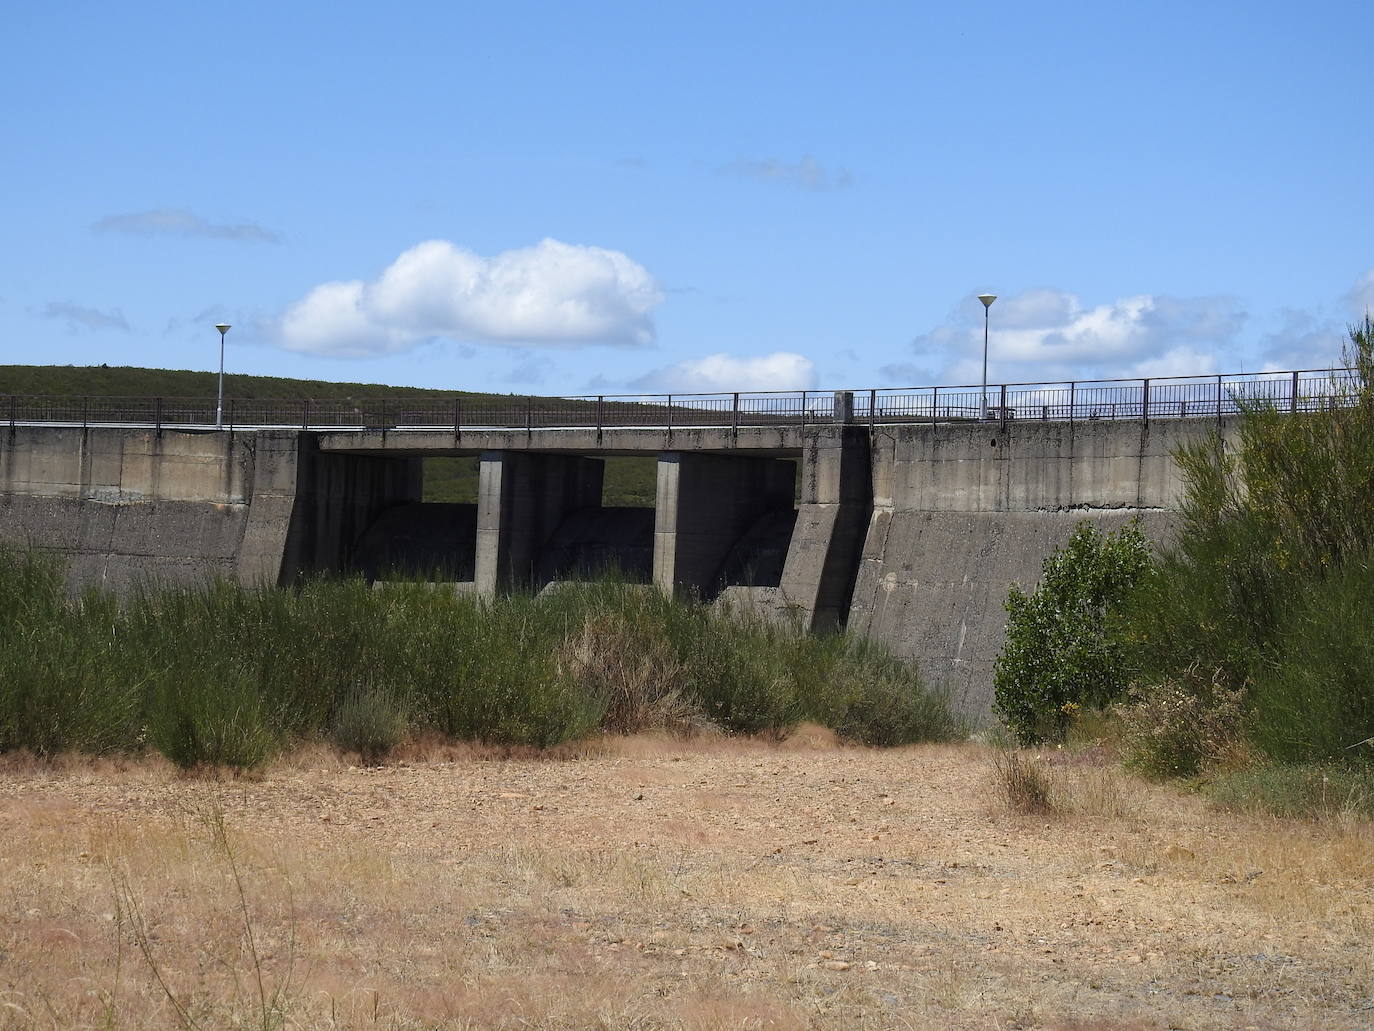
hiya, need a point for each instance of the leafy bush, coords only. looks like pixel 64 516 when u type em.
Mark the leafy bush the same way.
pixel 1062 649
pixel 1178 728
pixel 1268 587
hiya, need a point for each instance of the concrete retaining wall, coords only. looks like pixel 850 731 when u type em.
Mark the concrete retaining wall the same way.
pixel 961 512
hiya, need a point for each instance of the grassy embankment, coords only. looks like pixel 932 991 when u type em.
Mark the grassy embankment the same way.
pixel 629 481
pixel 223 674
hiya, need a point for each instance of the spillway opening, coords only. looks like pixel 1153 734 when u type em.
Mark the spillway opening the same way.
pixel 432 539
pixel 614 538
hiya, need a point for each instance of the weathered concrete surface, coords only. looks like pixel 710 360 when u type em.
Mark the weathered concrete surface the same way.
pixel 961 512
pixel 522 498
pixel 705 504
pixel 127 505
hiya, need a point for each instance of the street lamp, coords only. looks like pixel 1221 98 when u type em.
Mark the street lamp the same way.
pixel 987 300
pixel 223 328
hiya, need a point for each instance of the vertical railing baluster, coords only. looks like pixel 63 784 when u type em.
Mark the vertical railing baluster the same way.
pixel 1145 400
pixel 1073 399
pixel 1218 400
pixel 157 415
pixel 600 415
pixel 1002 405
pixel 934 404
pixel 305 414
pixel 1293 396
pixel 670 416
pixel 734 414
pixel 872 408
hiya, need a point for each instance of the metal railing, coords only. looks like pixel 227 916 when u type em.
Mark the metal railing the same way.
pixel 1078 400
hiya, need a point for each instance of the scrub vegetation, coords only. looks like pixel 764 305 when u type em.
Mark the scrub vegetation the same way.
pixel 226 675
pixel 1241 653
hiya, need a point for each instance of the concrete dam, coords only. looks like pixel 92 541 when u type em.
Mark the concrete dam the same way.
pixel 908 531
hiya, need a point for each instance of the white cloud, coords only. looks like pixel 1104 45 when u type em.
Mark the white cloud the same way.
pixel 1048 334
pixel 178 222
pixel 550 294
pixel 715 373
pixel 1361 296
pixel 78 316
pixel 808 173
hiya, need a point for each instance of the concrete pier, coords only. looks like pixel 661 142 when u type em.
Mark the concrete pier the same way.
pixel 705 503
pixel 522 499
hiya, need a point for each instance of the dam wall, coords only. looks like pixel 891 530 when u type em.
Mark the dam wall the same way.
pixel 963 511
pixel 910 533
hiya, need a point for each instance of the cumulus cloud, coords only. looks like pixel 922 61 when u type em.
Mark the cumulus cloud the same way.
pixel 178 222
pixel 78 316
pixel 550 294
pixel 781 370
pixel 1361 296
pixel 1048 334
pixel 807 174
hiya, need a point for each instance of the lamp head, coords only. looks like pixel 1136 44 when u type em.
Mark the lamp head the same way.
pixel 223 327
pixel 987 299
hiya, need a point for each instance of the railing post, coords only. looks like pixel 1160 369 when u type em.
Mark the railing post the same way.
pixel 1002 405
pixel 305 414
pixel 384 419
pixel 157 415
pixel 14 410
pixel 1145 400
pixel 1218 400
pixel 1073 399
pixel 872 408
pixel 85 411
pixel 600 415
pixel 934 403
pixel 803 410
pixel 670 416
pixel 734 414
pixel 1293 396
pixel 529 417
pixel 457 419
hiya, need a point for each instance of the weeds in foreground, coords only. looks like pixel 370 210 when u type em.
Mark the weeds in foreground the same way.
pixel 224 675
pixel 271 990
pixel 1023 784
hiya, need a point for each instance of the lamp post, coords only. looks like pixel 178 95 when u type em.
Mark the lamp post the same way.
pixel 223 328
pixel 987 300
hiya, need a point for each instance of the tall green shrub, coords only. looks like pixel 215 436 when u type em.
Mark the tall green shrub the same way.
pixel 1267 589
pixel 1062 649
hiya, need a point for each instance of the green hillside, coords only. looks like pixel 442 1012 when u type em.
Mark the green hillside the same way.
pixel 629 481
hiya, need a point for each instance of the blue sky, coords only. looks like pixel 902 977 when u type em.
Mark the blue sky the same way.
pixel 599 197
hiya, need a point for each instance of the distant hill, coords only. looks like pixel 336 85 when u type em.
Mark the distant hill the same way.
pixel 629 481
pixel 131 381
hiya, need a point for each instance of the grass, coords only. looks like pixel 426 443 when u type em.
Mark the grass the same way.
pixel 223 675
pixel 662 885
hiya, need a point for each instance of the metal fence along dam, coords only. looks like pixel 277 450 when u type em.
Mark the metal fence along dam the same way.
pixel 901 514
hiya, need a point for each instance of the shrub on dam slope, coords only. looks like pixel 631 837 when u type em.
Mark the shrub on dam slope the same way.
pixel 229 675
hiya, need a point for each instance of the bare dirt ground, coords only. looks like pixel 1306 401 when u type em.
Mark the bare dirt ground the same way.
pixel 654 884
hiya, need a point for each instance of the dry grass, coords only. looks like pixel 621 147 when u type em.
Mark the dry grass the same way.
pixel 654 883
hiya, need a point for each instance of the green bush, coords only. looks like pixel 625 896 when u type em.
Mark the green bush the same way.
pixel 1268 587
pixel 1180 727
pixel 220 674
pixel 1062 649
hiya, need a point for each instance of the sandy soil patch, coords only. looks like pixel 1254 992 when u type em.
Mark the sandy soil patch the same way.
pixel 652 884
